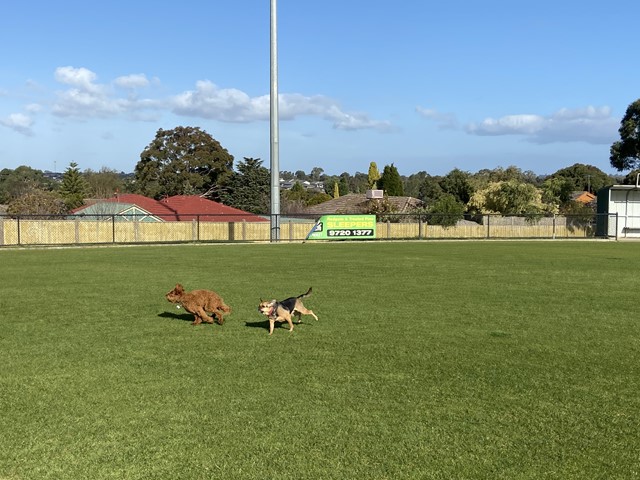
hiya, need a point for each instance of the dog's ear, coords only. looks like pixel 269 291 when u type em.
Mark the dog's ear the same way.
pixel 179 288
pixel 261 300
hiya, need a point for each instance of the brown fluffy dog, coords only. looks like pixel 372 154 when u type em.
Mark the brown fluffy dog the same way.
pixel 199 302
pixel 281 311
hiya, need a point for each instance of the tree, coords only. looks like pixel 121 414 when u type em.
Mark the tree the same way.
pixel 182 161
pixel 430 189
pixel 15 183
pixel 73 188
pixel 584 177
pixel 510 198
pixel 557 190
pixel 247 189
pixel 358 183
pixel 373 176
pixel 38 204
pixel 446 211
pixel 458 184
pixel 316 174
pixel 413 184
pixel 104 183
pixel 391 182
pixel 336 190
pixel 625 153
pixel 343 184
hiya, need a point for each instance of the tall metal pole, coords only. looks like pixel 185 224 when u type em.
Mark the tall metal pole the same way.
pixel 275 154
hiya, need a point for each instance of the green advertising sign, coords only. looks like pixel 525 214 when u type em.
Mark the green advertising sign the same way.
pixel 342 227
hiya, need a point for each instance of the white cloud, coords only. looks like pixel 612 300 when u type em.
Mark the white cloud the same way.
pixel 19 122
pixel 138 80
pixel 80 78
pixel 445 121
pixel 592 125
pixel 232 105
pixel 86 98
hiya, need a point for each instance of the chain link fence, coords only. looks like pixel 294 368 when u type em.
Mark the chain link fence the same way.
pixel 31 230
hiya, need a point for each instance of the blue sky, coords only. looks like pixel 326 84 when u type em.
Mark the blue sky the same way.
pixel 427 86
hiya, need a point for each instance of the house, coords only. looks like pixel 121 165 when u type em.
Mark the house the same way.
pixel 585 198
pixel 359 203
pixel 179 208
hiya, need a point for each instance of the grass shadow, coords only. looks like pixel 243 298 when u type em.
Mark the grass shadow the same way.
pixel 177 316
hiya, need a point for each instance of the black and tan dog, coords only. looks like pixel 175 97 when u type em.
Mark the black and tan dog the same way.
pixel 281 311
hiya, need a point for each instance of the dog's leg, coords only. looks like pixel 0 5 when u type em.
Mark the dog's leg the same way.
pixel 202 316
pixel 272 321
pixel 218 315
pixel 302 310
pixel 196 319
pixel 287 317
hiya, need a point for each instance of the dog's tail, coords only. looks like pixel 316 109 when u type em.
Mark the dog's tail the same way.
pixel 305 294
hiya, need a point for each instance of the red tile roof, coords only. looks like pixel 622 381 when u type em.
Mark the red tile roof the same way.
pixel 185 208
pixel 189 206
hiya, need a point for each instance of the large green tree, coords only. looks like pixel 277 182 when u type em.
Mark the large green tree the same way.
pixel 430 189
pixel 391 182
pixel 509 198
pixel 584 177
pixel 247 189
pixel 182 161
pixel 15 183
pixel 625 153
pixel 458 184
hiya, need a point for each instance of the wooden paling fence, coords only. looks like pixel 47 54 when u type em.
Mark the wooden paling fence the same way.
pixel 78 230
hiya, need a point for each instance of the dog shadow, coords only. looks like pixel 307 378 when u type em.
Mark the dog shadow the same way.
pixel 265 324
pixel 187 317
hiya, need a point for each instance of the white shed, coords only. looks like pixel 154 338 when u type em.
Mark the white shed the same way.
pixel 619 211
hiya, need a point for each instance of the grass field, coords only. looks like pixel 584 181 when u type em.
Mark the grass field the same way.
pixel 431 360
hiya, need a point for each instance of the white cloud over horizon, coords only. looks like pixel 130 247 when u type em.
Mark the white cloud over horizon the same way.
pixel 86 98
pixel 19 122
pixel 593 125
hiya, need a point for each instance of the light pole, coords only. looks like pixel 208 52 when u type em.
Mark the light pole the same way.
pixel 274 145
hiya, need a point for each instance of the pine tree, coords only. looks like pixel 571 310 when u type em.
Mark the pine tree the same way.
pixel 74 187
pixel 391 182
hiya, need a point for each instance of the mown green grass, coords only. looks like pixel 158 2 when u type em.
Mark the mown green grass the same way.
pixel 452 360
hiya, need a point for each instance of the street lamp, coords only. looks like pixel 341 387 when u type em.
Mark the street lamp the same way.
pixel 274 145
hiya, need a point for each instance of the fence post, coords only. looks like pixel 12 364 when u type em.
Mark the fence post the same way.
pixel 244 230
pixel 77 229
pixel 419 228
pixel 488 228
pixel 231 226
pixel 113 228
pixel 2 230
pixel 18 225
pixel 553 230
